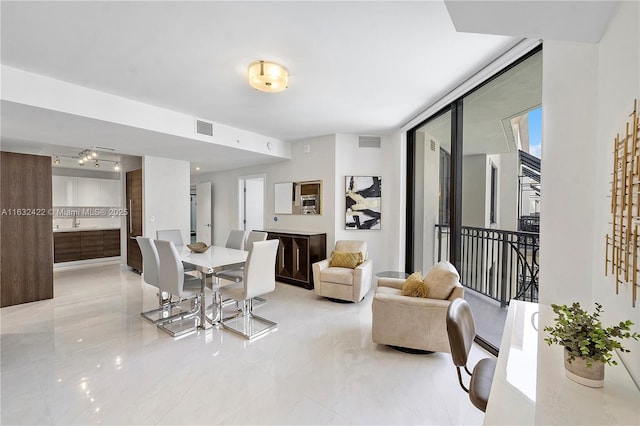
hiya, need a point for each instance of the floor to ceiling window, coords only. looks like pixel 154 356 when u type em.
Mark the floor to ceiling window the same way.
pixel 474 173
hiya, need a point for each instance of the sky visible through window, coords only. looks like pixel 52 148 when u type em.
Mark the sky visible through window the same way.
pixel 535 131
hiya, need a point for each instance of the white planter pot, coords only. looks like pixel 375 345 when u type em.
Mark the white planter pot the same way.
pixel 578 371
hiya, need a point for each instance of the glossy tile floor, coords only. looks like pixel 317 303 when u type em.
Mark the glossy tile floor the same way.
pixel 87 357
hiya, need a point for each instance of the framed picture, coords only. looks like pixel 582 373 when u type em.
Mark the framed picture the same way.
pixel 363 202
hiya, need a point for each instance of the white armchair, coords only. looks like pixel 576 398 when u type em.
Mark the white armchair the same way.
pixel 344 283
pixel 415 323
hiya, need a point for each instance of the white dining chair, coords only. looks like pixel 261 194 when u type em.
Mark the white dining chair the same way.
pixel 173 280
pixel 258 279
pixel 150 265
pixel 175 236
pixel 236 239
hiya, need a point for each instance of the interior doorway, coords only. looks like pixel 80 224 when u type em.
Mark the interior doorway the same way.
pixel 251 196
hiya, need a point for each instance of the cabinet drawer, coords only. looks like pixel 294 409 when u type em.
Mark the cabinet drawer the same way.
pixel 91 244
pixel 111 240
pixel 66 246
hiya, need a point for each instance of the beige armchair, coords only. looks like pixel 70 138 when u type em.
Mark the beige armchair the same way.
pixel 414 323
pixel 344 283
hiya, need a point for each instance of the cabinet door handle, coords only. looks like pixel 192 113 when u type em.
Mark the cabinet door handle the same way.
pixel 281 257
pixel 297 259
pixel 130 214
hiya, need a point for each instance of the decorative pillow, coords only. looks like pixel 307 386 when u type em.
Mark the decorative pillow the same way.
pixel 414 286
pixel 345 259
pixel 441 279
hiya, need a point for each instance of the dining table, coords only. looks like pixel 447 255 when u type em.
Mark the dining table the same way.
pixel 214 260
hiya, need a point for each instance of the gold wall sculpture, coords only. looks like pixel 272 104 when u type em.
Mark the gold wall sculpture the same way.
pixel 621 258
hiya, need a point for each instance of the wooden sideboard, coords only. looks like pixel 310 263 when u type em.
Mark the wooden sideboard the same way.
pixel 297 251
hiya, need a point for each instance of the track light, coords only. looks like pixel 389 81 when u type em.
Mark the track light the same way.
pixel 116 166
pixel 56 160
pixel 81 161
pixel 97 164
pixel 94 154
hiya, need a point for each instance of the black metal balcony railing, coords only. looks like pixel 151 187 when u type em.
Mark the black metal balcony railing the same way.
pixel 502 265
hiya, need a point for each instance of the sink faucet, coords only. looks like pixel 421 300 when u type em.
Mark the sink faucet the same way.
pixel 76 222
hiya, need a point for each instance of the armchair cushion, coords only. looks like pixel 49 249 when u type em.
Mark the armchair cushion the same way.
pixel 414 286
pixel 441 280
pixel 345 259
pixel 337 275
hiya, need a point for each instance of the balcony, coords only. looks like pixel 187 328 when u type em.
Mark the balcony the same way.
pixel 497 266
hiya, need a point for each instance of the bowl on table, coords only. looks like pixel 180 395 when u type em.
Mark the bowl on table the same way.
pixel 198 247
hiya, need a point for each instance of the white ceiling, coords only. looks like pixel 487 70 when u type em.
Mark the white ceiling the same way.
pixel 355 67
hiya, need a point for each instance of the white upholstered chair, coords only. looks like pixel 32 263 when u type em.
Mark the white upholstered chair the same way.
pixel 173 280
pixel 415 324
pixel 344 283
pixel 150 267
pixel 258 278
pixel 236 239
pixel 175 236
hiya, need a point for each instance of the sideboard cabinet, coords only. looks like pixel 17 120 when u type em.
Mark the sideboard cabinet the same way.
pixel 297 251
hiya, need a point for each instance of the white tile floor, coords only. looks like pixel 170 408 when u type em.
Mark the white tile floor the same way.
pixel 87 357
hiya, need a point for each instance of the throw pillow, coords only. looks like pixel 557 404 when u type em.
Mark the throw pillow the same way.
pixel 414 286
pixel 441 279
pixel 345 259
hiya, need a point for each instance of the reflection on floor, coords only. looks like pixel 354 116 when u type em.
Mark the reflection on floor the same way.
pixel 87 357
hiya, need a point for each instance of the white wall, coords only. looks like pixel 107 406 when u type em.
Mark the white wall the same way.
pixel 588 92
pixel 618 83
pixel 508 191
pixel 354 161
pixel 474 190
pixel 165 193
pixel 317 164
pixel 330 159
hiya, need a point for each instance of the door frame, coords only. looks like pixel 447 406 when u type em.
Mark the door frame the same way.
pixel 241 197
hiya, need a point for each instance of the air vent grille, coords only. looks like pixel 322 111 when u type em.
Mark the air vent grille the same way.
pixel 369 141
pixel 433 145
pixel 204 127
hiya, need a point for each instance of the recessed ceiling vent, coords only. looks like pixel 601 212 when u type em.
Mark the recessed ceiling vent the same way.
pixel 369 141
pixel 204 128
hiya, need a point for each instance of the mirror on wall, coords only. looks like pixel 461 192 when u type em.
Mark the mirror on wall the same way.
pixel 298 197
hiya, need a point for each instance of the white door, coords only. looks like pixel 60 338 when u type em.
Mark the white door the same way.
pixel 204 228
pixel 253 204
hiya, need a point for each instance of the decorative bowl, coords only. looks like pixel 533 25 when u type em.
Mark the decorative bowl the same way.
pixel 198 247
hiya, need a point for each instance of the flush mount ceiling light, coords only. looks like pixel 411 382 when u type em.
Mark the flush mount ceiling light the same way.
pixel 268 77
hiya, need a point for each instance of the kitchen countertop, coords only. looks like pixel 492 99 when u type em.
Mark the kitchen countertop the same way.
pixel 87 228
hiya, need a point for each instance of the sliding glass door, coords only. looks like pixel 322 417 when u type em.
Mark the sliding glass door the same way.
pixel 432 178
pixel 475 173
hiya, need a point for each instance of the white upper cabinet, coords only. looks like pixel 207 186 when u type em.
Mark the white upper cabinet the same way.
pixel 65 190
pixel 88 192
pixel 85 192
pixel 109 193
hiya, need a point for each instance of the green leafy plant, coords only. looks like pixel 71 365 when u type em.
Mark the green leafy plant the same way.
pixel 584 336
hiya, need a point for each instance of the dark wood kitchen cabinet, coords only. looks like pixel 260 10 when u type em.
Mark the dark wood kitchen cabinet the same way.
pixel 297 251
pixel 111 242
pixel 83 245
pixel 134 218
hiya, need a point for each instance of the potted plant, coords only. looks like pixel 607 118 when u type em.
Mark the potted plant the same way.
pixel 587 344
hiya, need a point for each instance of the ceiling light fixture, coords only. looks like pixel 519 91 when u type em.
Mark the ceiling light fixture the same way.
pixel 268 77
pixel 56 160
pixel 97 164
pixel 116 166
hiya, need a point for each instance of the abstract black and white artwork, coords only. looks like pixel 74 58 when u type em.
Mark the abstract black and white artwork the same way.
pixel 363 202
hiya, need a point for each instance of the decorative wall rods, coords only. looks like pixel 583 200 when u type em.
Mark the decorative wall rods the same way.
pixel 621 254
